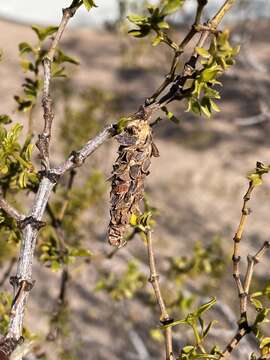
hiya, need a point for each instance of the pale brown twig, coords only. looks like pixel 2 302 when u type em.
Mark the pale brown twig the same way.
pixel 243 287
pixel 154 280
pixel 236 251
pixel 48 115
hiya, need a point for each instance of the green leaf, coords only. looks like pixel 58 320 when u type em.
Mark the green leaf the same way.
pixel 5 119
pixel 171 6
pixel 205 307
pixel 24 47
pixel 256 303
pixel 214 106
pixel 89 4
pixel 62 58
pixel 209 74
pixel 136 33
pixel 137 19
pixel 203 52
pixel 261 317
pixel 156 40
pixel 42 33
pixel 177 322
pixel 206 106
pixel 208 328
pixel 27 65
pixel 23 104
pixel 163 25
pixel 187 349
pixel 265 342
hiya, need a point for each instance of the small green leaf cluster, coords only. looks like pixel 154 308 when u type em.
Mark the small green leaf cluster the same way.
pixel 16 168
pixel 31 60
pixel 145 221
pixel 214 61
pixel 155 21
pixel 9 232
pixel 255 177
pixel 125 286
pixel 89 4
pixel 200 331
pixel 258 299
pixel 189 352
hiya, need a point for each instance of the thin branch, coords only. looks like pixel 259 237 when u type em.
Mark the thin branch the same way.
pixel 236 251
pixel 175 92
pixel 10 210
pixel 243 287
pixel 221 13
pixel 77 158
pixel 252 261
pixel 44 138
pixel 154 280
pixel 178 52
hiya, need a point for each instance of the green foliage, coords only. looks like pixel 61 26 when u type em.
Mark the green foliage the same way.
pixel 31 61
pixel 255 177
pixel 214 62
pixel 260 300
pixel 155 22
pixel 16 168
pixel 145 221
pixel 124 286
pixel 9 233
pixel 200 331
pixel 42 33
pixel 89 4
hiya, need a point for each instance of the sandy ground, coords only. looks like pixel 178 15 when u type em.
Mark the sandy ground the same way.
pixel 197 184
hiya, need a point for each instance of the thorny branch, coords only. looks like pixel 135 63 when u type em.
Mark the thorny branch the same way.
pixel 31 224
pixel 48 115
pixel 154 280
pixel 243 287
pixel 178 81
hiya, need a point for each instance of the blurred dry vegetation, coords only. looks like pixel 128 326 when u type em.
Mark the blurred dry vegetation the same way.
pixel 196 187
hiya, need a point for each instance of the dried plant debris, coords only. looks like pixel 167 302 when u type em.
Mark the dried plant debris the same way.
pixel 129 172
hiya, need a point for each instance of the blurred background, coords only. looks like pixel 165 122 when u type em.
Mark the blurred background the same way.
pixel 195 187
